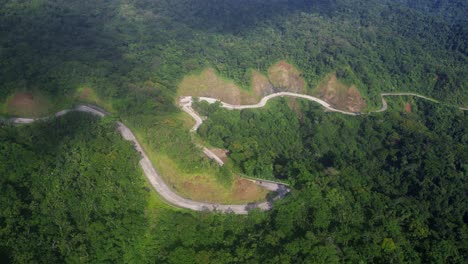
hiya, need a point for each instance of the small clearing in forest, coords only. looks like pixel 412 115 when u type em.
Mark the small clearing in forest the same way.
pixel 408 107
pixel 209 84
pixel 88 95
pixel 26 104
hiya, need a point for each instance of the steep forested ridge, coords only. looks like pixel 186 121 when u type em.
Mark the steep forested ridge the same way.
pixel 379 188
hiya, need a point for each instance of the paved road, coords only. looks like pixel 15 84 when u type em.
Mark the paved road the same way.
pixel 186 104
pixel 155 179
pixel 385 105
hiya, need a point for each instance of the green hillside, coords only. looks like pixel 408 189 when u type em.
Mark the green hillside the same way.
pixel 132 51
pixel 377 187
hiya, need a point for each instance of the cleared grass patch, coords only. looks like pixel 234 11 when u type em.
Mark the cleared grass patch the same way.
pixel 339 95
pixel 189 172
pixel 187 120
pixel 209 84
pixel 281 77
pixel 204 186
pixel 89 95
pixel 403 104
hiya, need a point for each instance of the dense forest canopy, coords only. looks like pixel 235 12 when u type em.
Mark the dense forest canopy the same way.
pixel 399 178
pixel 129 50
pixel 71 189
pixel 379 188
pixel 387 188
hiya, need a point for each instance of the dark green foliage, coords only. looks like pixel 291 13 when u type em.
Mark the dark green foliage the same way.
pixel 71 190
pixel 385 188
pixel 117 46
pixel 263 143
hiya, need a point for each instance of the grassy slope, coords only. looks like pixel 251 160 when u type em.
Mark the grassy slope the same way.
pixel 185 168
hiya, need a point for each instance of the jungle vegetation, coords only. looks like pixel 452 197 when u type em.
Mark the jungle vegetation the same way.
pixel 135 52
pixel 379 188
pixel 386 188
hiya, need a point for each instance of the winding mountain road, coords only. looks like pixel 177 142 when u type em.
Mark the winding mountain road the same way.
pixel 155 179
pixel 186 105
pixel 186 102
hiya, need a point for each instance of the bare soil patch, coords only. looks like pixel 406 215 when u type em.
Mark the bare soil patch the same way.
pixel 281 77
pixel 247 191
pixel 198 190
pixel 209 84
pixel 201 189
pixel 285 77
pixel 408 108
pixel 340 96
pixel 27 104
pixel 261 85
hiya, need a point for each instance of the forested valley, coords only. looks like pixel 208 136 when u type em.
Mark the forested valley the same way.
pixel 376 188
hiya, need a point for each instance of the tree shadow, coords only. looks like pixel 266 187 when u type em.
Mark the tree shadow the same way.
pixel 5 255
pixel 228 16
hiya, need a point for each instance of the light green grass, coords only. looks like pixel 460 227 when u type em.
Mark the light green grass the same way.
pixel 200 183
pixel 87 94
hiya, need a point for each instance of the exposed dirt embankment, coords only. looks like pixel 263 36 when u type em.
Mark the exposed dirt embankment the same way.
pixel 27 104
pixel 221 153
pixel 281 77
pixel 340 96
pixel 408 107
pixel 246 191
pixel 261 85
pixel 286 78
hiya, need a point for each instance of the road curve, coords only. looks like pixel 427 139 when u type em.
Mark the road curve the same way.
pixel 186 102
pixel 385 105
pixel 155 179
